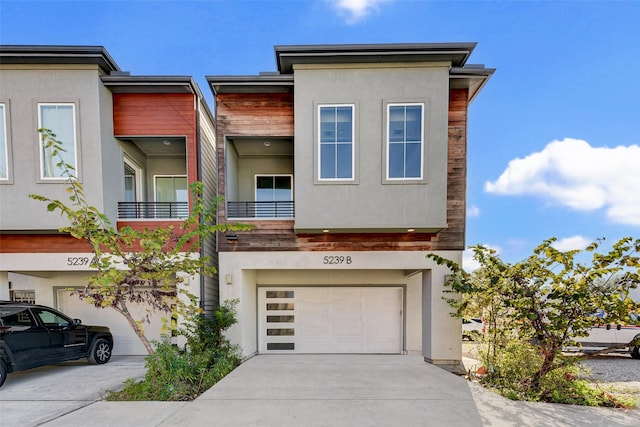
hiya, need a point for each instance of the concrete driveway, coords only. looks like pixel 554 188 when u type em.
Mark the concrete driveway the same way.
pixel 32 397
pixel 343 390
pixel 287 390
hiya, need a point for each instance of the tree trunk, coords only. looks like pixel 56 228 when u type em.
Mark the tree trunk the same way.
pixel 547 366
pixel 122 309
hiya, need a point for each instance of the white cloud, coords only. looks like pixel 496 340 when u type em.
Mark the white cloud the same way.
pixel 571 243
pixel 572 173
pixel 356 10
pixel 473 211
pixel 469 264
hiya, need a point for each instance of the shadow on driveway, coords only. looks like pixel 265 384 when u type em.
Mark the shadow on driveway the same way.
pixel 34 396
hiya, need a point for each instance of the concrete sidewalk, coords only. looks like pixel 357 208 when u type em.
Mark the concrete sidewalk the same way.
pixel 343 390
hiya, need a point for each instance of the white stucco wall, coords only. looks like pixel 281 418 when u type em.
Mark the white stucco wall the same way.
pixel 429 329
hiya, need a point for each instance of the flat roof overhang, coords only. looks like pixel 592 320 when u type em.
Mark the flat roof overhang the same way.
pixel 472 77
pixel 43 54
pixel 263 83
pixel 455 53
pixel 125 83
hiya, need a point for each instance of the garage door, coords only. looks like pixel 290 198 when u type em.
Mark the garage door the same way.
pixel 330 320
pixel 126 341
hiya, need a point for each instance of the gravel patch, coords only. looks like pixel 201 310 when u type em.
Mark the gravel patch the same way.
pixel 614 368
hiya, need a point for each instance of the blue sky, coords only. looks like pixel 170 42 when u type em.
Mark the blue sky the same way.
pixel 554 137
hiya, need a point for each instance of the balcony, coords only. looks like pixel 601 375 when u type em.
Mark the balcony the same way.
pixel 262 210
pixel 153 210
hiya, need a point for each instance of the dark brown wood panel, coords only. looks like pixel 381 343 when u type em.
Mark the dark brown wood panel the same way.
pixel 280 236
pixel 42 243
pixel 453 237
pixel 259 114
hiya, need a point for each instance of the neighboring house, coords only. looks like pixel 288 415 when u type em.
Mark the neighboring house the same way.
pixel 350 162
pixel 136 143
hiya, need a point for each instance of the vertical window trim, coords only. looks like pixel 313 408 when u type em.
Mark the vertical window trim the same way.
pixel 7 144
pixel 422 141
pixel 319 144
pixel 76 165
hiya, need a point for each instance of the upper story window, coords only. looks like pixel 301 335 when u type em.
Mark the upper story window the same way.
pixel 61 120
pixel 4 146
pixel 336 159
pixel 405 141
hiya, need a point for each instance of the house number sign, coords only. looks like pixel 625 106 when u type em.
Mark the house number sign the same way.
pixel 336 260
pixel 79 260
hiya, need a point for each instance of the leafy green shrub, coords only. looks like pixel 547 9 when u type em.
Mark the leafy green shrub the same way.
pixel 175 373
pixel 513 370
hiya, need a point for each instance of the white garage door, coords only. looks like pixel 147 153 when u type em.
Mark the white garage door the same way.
pixel 330 320
pixel 126 341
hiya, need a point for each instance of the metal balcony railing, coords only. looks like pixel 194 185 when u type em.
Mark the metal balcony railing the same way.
pixel 260 209
pixel 153 210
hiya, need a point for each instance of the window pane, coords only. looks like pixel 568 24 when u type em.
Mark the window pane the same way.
pixel 273 189
pixel 396 160
pixel 282 190
pixel 50 318
pixel 129 184
pixel 327 124
pixel 4 169
pixel 280 294
pixel 414 123
pixel 413 160
pixel 61 120
pixel 396 124
pixel 327 161
pixel 344 126
pixel 171 189
pixel 182 189
pixel 282 182
pixel 344 161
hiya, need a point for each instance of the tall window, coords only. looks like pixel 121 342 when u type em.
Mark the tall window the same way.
pixel 4 149
pixel 61 119
pixel 336 142
pixel 405 141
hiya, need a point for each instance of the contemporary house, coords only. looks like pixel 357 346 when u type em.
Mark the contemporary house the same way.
pixel 136 142
pixel 350 163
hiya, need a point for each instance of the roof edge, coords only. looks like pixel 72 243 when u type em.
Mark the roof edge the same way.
pixel 58 54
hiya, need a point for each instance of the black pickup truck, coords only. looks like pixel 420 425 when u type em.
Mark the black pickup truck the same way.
pixel 34 335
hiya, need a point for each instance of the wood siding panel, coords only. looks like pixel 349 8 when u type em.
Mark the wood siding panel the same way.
pixel 42 243
pixel 259 114
pixel 153 114
pixel 453 237
pixel 280 236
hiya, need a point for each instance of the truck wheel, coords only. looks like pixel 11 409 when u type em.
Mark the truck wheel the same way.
pixel 635 352
pixel 100 352
pixel 3 372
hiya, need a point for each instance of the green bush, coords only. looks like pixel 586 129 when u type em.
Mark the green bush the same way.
pixel 512 368
pixel 175 373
